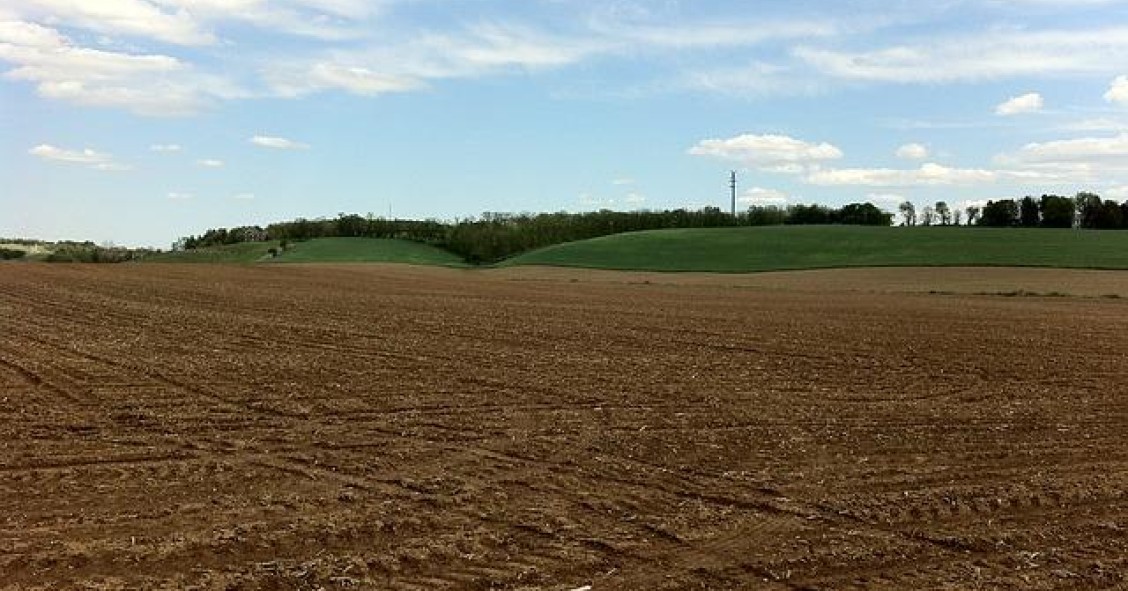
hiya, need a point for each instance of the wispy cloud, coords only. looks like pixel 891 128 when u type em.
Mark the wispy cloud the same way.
pixel 165 148
pixel 757 79
pixel 930 174
pixel 210 163
pixel 86 157
pixel 1086 159
pixel 965 58
pixel 1107 124
pixel 170 24
pixel 710 35
pixel 277 143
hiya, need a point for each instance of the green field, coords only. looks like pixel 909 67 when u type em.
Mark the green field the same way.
pixel 318 250
pixel 741 250
pixel 367 250
pixel 245 252
pixel 733 250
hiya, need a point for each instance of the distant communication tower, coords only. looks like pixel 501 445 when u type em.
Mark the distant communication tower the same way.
pixel 732 185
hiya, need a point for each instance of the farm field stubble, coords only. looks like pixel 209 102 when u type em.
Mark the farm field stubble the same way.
pixel 307 427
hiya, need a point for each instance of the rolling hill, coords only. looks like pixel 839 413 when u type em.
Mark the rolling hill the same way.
pixel 367 250
pixel 318 250
pixel 742 250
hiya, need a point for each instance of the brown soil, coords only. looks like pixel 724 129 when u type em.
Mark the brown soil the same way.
pixel 283 427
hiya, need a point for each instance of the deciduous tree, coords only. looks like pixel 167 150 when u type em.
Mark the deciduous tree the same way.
pixel 943 213
pixel 1000 214
pixel 1057 211
pixel 908 213
pixel 1028 212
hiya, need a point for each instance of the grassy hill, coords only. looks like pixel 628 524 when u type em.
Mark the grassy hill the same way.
pixel 367 250
pixel 244 252
pixel 739 250
pixel 318 250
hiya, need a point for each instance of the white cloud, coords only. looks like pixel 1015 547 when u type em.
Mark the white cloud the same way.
pixel 1000 54
pixel 777 153
pixel 191 22
pixel 165 148
pixel 1118 91
pixel 277 143
pixel 136 18
pixel 146 84
pixel 1027 103
pixel 634 199
pixel 929 174
pixel 1090 149
pixel 623 182
pixel 210 163
pixel 762 196
pixel 244 196
pixel 1086 159
pixel 177 196
pixel 87 157
pixel 912 152
pixel 358 53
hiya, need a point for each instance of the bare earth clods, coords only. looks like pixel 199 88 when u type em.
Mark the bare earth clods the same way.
pixel 168 427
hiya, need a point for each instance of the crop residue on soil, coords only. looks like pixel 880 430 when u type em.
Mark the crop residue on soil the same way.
pixel 404 428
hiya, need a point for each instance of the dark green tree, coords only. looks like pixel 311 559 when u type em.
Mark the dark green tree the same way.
pixel 861 214
pixel 1089 209
pixel 1028 216
pixel 1057 211
pixel 1000 214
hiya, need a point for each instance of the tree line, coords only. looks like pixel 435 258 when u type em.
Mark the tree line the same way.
pixel 69 251
pixel 496 236
pixel 1085 210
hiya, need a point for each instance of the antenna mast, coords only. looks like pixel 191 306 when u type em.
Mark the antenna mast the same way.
pixel 732 185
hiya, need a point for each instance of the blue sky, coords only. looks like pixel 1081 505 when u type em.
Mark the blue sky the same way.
pixel 139 121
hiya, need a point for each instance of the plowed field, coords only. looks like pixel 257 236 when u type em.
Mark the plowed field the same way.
pixel 208 427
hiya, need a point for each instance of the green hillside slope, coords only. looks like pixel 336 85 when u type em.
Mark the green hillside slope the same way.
pixel 244 252
pixel 738 250
pixel 367 250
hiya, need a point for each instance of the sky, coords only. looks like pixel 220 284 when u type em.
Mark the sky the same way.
pixel 139 121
